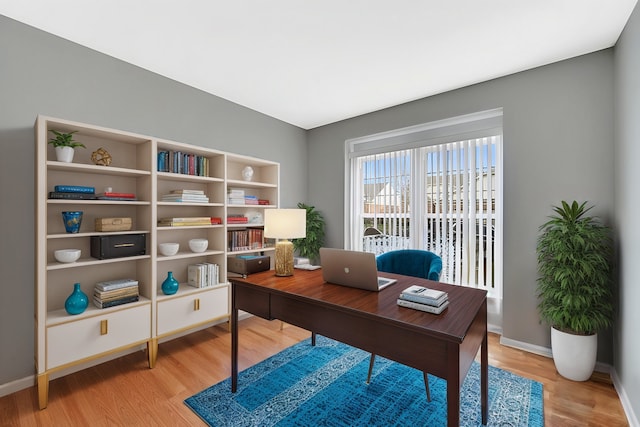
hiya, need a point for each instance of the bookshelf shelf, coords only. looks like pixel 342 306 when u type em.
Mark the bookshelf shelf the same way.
pixel 71 342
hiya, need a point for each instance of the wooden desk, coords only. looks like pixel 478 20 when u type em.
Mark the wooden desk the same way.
pixel 444 345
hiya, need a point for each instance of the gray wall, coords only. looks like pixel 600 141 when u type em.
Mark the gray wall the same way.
pixel 627 154
pixel 558 127
pixel 43 74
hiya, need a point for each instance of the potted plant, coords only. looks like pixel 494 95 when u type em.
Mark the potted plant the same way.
pixel 574 253
pixel 64 145
pixel 309 247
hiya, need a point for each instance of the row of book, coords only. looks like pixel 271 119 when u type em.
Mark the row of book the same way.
pixel 424 299
pixel 115 292
pixel 81 192
pixel 203 275
pixel 183 163
pixel 185 196
pixel 245 240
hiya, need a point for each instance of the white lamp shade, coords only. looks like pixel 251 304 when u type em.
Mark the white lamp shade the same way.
pixel 285 223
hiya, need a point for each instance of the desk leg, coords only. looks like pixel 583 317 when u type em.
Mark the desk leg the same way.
pixel 234 341
pixel 484 378
pixel 453 385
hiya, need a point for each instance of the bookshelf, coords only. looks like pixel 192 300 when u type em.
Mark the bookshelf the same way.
pixel 64 341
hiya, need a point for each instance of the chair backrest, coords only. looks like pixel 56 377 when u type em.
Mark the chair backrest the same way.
pixel 411 262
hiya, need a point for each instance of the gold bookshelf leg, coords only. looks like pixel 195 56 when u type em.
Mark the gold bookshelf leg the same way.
pixel 43 390
pixel 152 351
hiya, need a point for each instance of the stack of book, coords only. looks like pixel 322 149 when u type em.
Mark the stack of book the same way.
pixel 186 196
pixel 424 299
pixel 235 196
pixel 237 219
pixel 73 192
pixel 184 221
pixel 115 292
pixel 203 275
pixel 250 200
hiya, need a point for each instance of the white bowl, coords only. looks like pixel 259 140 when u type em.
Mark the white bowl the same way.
pixel 198 245
pixel 67 255
pixel 168 249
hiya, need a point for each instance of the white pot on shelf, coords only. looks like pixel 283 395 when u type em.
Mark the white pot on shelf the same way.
pixel 64 154
pixel 574 355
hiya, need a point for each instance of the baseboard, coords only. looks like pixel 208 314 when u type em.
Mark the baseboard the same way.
pixel 632 418
pixel 531 348
pixel 17 385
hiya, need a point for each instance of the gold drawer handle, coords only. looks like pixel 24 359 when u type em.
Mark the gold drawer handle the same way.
pixel 196 304
pixel 104 327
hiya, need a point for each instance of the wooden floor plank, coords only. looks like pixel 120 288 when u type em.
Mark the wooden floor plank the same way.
pixel 125 392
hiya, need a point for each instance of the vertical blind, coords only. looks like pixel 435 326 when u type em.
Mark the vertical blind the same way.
pixel 435 187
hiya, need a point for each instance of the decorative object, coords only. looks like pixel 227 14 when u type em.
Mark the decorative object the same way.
pixel 67 255
pixel 72 221
pixel 64 145
pixel 101 157
pixel 198 245
pixel 77 302
pixel 574 255
pixel 288 388
pixel 309 246
pixel 170 285
pixel 284 224
pixel 247 173
pixel 168 249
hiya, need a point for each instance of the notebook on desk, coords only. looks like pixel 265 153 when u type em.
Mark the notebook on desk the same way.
pixel 352 268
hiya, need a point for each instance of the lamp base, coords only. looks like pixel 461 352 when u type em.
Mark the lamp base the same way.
pixel 284 258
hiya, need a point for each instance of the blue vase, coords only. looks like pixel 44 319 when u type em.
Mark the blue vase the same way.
pixel 72 221
pixel 77 302
pixel 170 285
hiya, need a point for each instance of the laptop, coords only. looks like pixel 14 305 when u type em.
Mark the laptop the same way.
pixel 352 268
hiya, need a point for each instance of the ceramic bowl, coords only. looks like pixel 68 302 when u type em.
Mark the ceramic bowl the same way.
pixel 67 255
pixel 168 249
pixel 198 245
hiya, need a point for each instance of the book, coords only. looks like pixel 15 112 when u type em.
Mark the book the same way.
pixel 423 307
pixel 115 284
pixel 74 189
pixel 423 295
pixel 116 194
pixel 114 303
pixel 185 191
pixel 71 196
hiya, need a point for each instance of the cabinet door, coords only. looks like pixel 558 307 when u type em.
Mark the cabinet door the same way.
pixel 76 340
pixel 192 309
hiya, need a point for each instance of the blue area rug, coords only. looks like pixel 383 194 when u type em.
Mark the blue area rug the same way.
pixel 326 385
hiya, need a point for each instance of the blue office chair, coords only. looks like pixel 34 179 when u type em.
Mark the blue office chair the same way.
pixel 410 262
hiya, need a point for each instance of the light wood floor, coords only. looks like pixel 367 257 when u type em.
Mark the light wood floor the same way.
pixel 125 392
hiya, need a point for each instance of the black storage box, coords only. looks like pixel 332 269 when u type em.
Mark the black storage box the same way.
pixel 118 245
pixel 248 264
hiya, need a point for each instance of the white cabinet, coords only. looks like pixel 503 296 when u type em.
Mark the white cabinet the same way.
pixel 139 166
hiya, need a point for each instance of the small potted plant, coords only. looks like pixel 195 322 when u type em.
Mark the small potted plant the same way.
pixel 309 247
pixel 574 255
pixel 64 145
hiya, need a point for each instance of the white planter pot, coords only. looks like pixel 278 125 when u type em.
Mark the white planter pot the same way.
pixel 64 154
pixel 574 355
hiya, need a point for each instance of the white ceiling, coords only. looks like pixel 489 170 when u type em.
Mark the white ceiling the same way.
pixel 315 62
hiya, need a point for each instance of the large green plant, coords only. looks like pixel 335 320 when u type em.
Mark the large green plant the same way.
pixel 574 264
pixel 309 247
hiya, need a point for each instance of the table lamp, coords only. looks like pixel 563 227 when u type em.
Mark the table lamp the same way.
pixel 285 224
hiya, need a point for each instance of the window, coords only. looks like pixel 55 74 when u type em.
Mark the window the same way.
pixel 437 187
